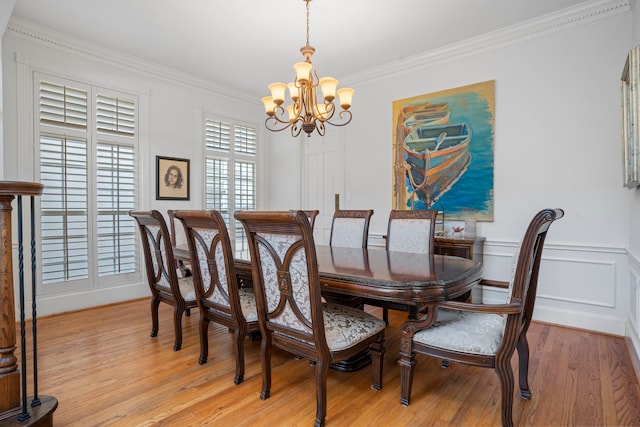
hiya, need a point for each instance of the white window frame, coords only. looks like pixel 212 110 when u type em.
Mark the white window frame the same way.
pixel 93 137
pixel 232 157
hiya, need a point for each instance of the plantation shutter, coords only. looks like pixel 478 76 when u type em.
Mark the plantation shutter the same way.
pixel 230 173
pixel 115 115
pixel 115 198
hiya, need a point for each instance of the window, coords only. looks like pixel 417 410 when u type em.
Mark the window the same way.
pixel 87 159
pixel 230 173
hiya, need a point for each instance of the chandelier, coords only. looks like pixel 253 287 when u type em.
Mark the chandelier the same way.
pixel 305 113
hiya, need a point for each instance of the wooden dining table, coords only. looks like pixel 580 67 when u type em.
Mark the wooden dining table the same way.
pixel 377 274
pixel 374 275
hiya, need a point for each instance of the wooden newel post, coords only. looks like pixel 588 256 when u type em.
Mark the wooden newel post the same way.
pixel 14 410
pixel 9 374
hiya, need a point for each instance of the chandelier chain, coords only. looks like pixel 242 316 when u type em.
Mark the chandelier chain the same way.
pixel 308 1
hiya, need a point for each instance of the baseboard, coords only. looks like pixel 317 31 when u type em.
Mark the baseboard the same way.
pixel 53 304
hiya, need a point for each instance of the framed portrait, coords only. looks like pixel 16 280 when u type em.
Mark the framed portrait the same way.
pixel 630 120
pixel 172 178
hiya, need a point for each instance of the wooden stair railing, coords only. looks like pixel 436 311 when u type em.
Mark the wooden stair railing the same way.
pixel 14 408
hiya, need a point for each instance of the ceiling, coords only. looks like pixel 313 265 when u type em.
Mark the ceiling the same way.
pixel 247 44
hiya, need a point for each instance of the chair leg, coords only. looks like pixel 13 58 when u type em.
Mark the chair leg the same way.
pixel 265 357
pixel 238 338
pixel 377 361
pixel 177 325
pixel 204 339
pixel 523 368
pixel 505 375
pixel 322 371
pixel 155 304
pixel 407 362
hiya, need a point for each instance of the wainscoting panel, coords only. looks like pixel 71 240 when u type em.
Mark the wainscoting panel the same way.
pixel 579 286
pixel 633 318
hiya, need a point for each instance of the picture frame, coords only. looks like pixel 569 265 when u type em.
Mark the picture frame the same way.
pixel 443 152
pixel 630 119
pixel 172 178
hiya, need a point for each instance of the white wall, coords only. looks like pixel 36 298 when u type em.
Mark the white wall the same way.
pixel 557 144
pixel 5 12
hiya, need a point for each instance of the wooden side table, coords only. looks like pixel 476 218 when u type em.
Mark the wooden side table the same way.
pixel 460 246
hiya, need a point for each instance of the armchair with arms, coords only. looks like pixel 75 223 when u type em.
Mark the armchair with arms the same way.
pixel 484 335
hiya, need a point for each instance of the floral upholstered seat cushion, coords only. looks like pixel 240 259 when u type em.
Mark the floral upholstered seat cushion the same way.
pixel 345 326
pixel 248 304
pixel 186 288
pixel 468 332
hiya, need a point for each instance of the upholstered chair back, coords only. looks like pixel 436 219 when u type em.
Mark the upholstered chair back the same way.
pixel 411 231
pixel 350 228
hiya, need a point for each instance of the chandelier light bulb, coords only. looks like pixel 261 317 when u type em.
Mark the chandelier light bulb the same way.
pixel 269 105
pixel 345 94
pixel 277 92
pixel 328 86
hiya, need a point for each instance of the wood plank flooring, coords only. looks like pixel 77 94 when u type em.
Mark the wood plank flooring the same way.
pixel 105 370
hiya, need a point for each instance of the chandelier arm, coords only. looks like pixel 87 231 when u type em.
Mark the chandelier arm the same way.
pixel 295 129
pixel 275 125
pixel 340 115
pixel 279 114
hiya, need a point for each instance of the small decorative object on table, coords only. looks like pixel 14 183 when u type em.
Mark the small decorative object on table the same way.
pixel 470 228
pixel 457 231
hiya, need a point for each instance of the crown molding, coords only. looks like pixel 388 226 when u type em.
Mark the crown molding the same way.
pixel 25 30
pixel 580 15
pixel 569 18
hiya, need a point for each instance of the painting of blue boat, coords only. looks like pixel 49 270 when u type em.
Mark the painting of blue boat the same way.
pixel 443 152
pixel 436 156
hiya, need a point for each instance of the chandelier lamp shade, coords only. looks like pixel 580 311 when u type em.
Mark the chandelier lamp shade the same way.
pixel 307 110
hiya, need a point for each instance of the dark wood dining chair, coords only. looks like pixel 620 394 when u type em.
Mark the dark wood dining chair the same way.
pixel 350 228
pixel 290 310
pixel 409 231
pixel 215 282
pixel 162 276
pixel 484 335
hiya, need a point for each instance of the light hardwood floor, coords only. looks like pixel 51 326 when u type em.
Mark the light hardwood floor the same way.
pixel 105 370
